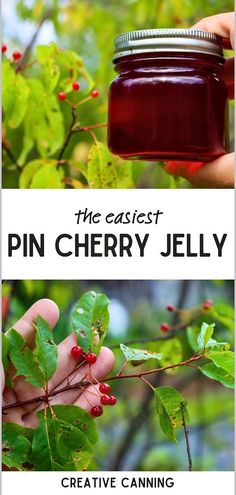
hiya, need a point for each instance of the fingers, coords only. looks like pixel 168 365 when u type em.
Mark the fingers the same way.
pixel 103 366
pixel 221 24
pixel 45 308
pixel 216 174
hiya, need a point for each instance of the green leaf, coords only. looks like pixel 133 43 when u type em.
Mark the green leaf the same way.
pixel 78 418
pixel 16 449
pixel 5 348
pixel 168 405
pixel 30 170
pixel 224 360
pixel 217 373
pixel 192 335
pixel 101 171
pixel 171 354
pixel 136 355
pixel 46 56
pixel 48 177
pixel 90 320
pixel 46 349
pixel 24 360
pixel 59 444
pixel 43 124
pixel 205 335
pixel 15 94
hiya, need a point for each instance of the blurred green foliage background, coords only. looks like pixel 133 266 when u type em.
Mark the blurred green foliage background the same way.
pixel 130 436
pixel 89 27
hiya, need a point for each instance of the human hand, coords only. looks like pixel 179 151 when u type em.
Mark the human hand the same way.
pixel 66 371
pixel 220 172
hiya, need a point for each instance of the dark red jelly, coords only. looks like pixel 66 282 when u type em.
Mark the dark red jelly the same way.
pixel 169 101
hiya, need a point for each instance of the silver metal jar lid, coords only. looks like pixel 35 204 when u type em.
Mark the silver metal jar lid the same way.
pixel 167 40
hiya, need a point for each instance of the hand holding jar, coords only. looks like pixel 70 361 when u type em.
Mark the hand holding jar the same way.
pixel 218 173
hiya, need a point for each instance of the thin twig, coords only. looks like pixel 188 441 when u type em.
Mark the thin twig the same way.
pixel 31 43
pixel 69 134
pixel 44 397
pixel 11 156
pixel 186 433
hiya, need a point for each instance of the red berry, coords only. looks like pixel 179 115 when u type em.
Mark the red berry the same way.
pixel 96 411
pixel 112 400
pixel 4 47
pixel 91 358
pixel 164 327
pixel 104 388
pixel 16 55
pixel 105 400
pixel 62 96
pixel 207 304
pixel 170 307
pixel 76 86
pixel 95 93
pixel 76 352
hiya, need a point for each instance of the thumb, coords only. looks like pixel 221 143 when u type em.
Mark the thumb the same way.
pixel 216 174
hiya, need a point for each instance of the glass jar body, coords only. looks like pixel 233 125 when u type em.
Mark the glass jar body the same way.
pixel 168 107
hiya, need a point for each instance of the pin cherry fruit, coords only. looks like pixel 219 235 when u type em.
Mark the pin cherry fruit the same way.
pixel 96 411
pixel 170 307
pixel 207 304
pixel 76 86
pixel 4 47
pixel 76 352
pixel 105 400
pixel 112 400
pixel 104 388
pixel 91 358
pixel 164 327
pixel 62 96
pixel 95 93
pixel 16 55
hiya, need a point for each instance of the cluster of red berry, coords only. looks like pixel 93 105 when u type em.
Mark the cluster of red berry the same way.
pixel 16 55
pixel 76 86
pixel 104 389
pixel 165 327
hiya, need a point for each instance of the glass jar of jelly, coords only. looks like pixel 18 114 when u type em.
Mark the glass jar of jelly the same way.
pixel 169 101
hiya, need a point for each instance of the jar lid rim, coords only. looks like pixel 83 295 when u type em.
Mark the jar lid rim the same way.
pixel 163 39
pixel 197 34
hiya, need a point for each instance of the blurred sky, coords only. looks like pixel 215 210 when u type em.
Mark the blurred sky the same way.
pixel 23 30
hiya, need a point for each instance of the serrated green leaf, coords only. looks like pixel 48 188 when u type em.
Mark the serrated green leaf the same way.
pixel 24 360
pixel 217 373
pixel 224 359
pixel 15 94
pixel 134 355
pixel 205 335
pixel 90 320
pixel 16 449
pixel 101 171
pixel 46 349
pixel 192 334
pixel 58 444
pixel 78 418
pixel 168 405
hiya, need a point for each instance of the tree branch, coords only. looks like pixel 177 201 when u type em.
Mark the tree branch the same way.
pixel 69 134
pixel 82 383
pixel 11 156
pixel 31 43
pixel 186 433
